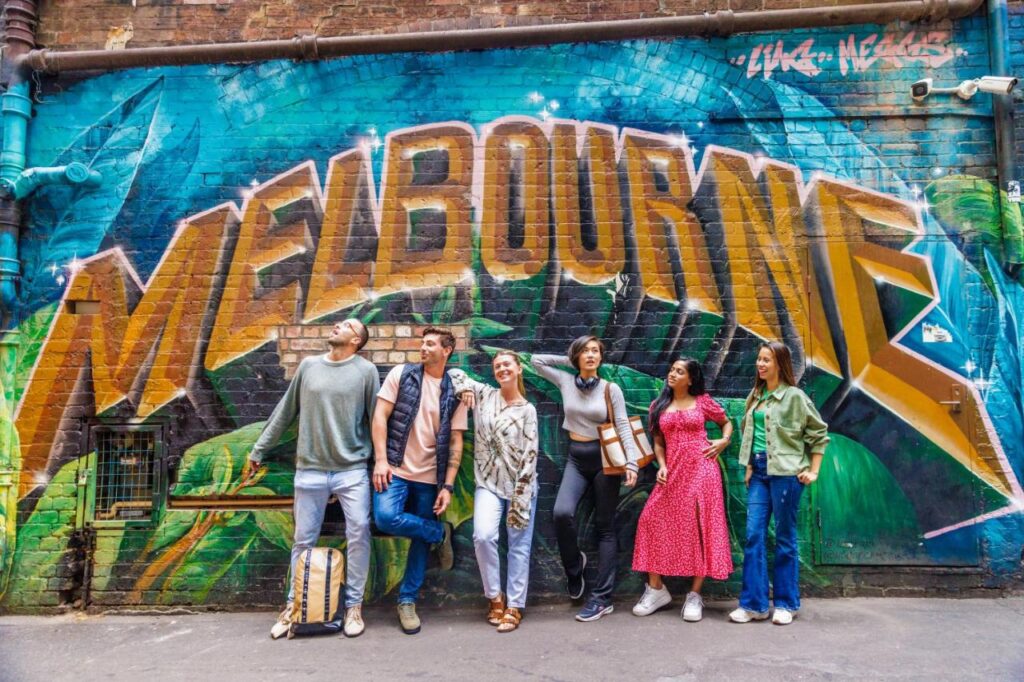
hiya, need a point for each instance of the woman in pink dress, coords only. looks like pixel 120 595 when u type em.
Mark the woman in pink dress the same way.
pixel 682 530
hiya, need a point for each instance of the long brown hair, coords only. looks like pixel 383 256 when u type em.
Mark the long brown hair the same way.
pixel 515 356
pixel 783 360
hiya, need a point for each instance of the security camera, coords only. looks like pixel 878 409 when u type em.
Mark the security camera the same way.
pixel 993 85
pixel 921 89
pixel 997 85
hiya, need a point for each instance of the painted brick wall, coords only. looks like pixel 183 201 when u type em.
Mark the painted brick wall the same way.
pixel 90 24
pixel 675 197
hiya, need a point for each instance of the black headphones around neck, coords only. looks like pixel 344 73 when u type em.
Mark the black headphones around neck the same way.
pixel 587 384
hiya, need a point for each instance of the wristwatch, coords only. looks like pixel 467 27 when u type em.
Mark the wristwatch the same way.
pixel 450 488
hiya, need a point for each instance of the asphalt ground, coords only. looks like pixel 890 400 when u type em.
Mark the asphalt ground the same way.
pixel 832 639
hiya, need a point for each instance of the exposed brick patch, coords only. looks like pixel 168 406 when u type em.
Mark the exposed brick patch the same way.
pixel 389 344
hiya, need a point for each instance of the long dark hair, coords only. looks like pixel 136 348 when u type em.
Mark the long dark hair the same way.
pixel 784 361
pixel 666 396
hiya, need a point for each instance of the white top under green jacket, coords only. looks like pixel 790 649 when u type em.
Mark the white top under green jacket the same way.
pixel 505 445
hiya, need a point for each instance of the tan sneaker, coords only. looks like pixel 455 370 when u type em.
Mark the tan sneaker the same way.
pixel 408 619
pixel 284 622
pixel 354 625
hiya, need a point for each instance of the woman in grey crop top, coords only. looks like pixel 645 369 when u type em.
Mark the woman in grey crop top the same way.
pixel 585 409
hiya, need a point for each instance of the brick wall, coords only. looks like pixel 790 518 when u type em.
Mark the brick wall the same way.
pixel 675 197
pixel 389 344
pixel 92 24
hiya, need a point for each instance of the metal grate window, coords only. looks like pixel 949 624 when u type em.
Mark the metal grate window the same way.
pixel 126 473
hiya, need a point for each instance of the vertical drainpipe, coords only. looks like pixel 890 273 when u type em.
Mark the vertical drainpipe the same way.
pixel 19 23
pixel 17 110
pixel 20 18
pixel 1002 111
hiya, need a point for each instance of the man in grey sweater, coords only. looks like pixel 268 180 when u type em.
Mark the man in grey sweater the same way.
pixel 333 396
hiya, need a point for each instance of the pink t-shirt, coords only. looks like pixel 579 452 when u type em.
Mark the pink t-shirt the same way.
pixel 420 461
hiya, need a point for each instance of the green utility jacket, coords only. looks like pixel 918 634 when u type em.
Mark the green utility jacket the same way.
pixel 794 431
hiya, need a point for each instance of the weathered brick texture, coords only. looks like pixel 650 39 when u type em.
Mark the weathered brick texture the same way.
pixel 389 344
pixel 90 24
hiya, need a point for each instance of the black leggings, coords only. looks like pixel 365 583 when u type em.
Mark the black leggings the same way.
pixel 582 471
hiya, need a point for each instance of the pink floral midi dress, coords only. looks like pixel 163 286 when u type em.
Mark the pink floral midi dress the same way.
pixel 682 529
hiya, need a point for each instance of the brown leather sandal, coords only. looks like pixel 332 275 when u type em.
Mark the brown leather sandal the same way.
pixel 497 610
pixel 510 621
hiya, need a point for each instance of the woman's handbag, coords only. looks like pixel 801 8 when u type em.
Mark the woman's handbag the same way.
pixel 613 454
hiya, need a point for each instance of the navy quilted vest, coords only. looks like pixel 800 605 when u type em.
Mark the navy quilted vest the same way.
pixel 407 405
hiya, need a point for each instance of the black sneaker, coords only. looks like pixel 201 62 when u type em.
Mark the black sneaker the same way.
pixel 576 585
pixel 444 549
pixel 594 610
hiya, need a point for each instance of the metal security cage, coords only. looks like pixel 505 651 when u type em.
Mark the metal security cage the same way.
pixel 126 473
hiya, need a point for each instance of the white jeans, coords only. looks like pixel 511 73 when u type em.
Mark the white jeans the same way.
pixel 312 488
pixel 489 511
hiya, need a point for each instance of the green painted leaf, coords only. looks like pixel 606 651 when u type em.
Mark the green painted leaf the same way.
pixel 853 518
pixel 461 507
pixel 42 540
pixel 483 328
pixel 21 349
pixel 444 306
pixel 215 466
pixel 387 565
pixel 276 527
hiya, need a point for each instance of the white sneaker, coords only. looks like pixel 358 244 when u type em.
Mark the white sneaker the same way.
pixel 782 616
pixel 693 609
pixel 652 600
pixel 354 625
pixel 741 615
pixel 284 621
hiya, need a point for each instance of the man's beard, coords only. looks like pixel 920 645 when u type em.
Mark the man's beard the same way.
pixel 335 343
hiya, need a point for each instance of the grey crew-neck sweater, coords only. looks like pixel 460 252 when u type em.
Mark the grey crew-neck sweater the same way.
pixel 334 404
pixel 586 410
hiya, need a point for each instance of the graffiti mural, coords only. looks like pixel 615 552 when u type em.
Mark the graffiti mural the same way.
pixel 677 197
pixel 854 54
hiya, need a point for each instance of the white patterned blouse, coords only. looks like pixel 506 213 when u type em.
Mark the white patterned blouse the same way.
pixel 505 445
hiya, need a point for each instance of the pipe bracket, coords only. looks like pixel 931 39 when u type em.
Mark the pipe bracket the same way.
pixel 935 11
pixel 308 47
pixel 720 24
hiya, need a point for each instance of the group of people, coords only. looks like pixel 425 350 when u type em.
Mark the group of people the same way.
pixel 412 427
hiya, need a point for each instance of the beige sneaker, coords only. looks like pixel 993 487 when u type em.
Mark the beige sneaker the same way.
pixel 354 625
pixel 741 615
pixel 408 619
pixel 284 621
pixel 782 616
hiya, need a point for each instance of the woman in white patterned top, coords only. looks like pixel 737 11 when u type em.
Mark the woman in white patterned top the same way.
pixel 505 462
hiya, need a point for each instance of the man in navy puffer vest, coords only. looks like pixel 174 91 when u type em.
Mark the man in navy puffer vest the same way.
pixel 417 445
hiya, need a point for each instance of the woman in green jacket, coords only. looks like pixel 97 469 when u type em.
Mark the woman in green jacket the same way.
pixel 784 440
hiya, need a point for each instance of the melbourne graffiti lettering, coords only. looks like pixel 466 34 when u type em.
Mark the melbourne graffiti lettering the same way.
pixel 216 287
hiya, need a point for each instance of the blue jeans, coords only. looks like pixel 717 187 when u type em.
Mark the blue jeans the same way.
pixel 768 495
pixel 406 509
pixel 312 488
pixel 489 511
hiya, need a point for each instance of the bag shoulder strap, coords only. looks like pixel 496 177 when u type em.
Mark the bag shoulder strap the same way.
pixel 608 401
